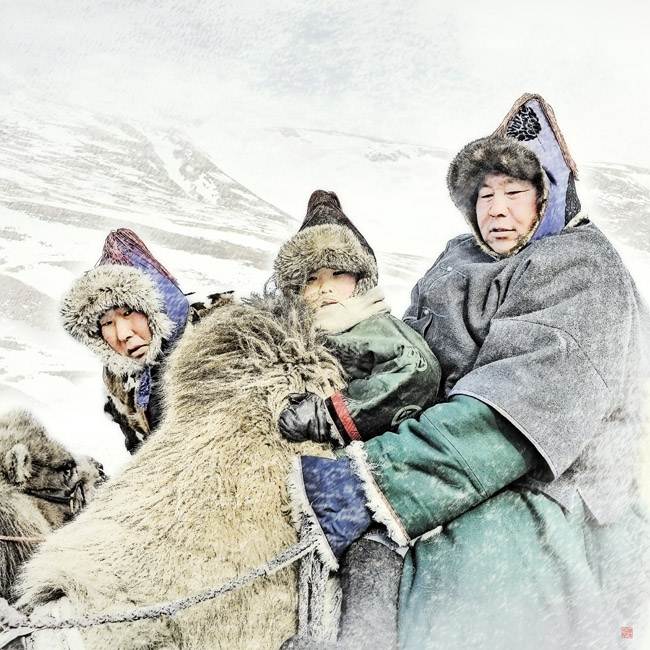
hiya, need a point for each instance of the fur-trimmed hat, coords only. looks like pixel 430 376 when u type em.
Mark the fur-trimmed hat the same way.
pixel 527 145
pixel 127 275
pixel 108 287
pixel 494 155
pixel 326 239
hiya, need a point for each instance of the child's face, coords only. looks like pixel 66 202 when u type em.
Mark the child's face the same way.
pixel 328 286
pixel 127 332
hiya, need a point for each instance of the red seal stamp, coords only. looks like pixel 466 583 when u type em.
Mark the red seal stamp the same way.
pixel 627 633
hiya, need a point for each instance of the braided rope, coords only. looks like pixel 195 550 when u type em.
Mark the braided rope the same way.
pixel 313 577
pixel 301 548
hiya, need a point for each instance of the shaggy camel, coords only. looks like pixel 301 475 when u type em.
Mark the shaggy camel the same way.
pixel 204 501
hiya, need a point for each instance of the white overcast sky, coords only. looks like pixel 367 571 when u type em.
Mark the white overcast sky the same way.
pixel 424 71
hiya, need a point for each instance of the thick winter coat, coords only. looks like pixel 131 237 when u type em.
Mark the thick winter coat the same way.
pixel 516 334
pixel 128 381
pixel 528 462
pixel 392 376
pixel 137 422
pixel 546 359
pixel 128 275
pixel 390 370
pixel 204 500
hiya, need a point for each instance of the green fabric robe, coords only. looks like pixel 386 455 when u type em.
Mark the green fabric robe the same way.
pixel 528 461
pixel 510 568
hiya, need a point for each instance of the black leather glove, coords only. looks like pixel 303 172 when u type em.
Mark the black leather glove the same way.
pixel 305 418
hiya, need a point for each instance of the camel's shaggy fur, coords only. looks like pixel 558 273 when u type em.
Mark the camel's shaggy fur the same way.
pixel 204 500
pixel 32 464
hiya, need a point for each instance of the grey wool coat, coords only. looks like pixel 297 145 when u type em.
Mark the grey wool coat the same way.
pixel 555 340
pixel 517 491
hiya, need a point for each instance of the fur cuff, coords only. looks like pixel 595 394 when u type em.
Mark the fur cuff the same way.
pixel 304 518
pixel 381 510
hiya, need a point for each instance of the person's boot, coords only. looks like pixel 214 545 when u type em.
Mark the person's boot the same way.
pixel 370 578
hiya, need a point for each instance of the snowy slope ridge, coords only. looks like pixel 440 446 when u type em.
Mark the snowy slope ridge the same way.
pixel 620 195
pixel 67 177
pixel 397 193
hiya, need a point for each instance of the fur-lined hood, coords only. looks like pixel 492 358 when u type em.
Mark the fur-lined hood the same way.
pixel 326 239
pixel 495 155
pixel 106 287
pixel 528 145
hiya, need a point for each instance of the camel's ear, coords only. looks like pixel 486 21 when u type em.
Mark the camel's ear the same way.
pixel 18 464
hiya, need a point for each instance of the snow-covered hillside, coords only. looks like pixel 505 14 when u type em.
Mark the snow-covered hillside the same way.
pixel 68 176
pixel 618 199
pixel 66 179
pixel 397 192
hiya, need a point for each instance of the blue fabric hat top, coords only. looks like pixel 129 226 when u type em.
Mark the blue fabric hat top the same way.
pixel 532 122
pixel 124 247
pixel 175 304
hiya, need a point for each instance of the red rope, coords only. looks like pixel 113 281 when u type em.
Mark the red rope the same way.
pixel 344 415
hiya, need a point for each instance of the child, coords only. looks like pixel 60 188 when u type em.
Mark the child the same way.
pixel 388 365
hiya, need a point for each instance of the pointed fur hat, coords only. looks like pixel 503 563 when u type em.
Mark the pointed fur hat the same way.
pixel 127 275
pixel 326 238
pixel 528 145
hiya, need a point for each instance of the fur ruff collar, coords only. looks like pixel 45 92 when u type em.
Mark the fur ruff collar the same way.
pixel 343 315
pixel 104 288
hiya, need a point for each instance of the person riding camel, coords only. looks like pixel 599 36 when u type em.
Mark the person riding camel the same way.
pixel 130 311
pixel 516 492
pixel 392 375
